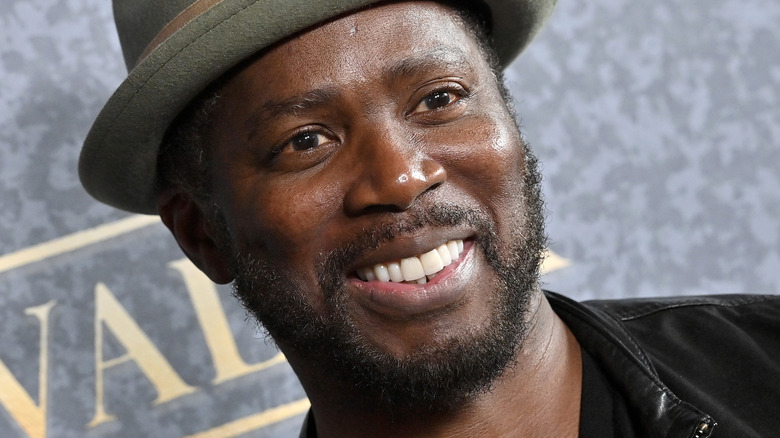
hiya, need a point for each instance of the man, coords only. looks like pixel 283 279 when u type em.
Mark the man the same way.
pixel 355 170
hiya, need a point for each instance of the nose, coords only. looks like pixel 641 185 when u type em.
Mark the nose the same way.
pixel 393 171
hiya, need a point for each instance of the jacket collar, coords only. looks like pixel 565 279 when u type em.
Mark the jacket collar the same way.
pixel 657 410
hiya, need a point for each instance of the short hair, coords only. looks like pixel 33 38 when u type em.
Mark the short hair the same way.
pixel 183 157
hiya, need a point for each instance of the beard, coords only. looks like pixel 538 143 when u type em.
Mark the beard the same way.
pixel 435 377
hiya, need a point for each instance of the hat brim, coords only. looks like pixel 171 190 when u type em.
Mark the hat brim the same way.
pixel 119 158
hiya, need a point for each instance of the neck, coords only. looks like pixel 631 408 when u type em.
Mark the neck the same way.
pixel 538 396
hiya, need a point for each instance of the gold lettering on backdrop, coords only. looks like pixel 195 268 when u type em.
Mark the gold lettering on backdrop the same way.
pixel 72 242
pixel 228 363
pixel 31 417
pixel 256 421
pixel 553 262
pixel 140 349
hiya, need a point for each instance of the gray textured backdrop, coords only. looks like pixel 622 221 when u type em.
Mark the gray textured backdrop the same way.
pixel 657 124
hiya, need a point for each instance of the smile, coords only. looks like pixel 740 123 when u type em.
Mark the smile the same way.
pixel 416 269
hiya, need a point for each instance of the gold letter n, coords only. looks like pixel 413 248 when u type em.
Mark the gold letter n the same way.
pixel 31 417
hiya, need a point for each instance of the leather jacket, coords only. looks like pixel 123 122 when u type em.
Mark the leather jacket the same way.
pixel 689 367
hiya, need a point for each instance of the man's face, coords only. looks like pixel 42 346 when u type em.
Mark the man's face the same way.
pixel 365 143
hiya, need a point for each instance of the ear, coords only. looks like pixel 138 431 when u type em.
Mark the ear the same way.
pixel 186 221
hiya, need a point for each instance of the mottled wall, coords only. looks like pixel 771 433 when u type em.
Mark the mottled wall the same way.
pixel 657 124
pixel 659 129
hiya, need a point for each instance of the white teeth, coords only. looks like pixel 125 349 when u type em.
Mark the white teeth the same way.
pixel 418 269
pixel 394 268
pixel 412 268
pixel 453 247
pixel 431 262
pixel 444 253
pixel 381 273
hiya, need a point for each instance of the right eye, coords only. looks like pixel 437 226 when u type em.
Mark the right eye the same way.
pixel 307 140
pixel 436 100
pixel 302 148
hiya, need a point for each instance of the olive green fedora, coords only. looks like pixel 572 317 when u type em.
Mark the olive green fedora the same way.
pixel 175 48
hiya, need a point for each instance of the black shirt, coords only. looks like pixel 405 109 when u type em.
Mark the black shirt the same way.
pixel 603 410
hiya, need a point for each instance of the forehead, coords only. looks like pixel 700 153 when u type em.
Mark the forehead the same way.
pixel 404 26
pixel 394 36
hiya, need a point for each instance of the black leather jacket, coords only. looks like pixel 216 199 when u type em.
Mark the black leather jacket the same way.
pixel 687 366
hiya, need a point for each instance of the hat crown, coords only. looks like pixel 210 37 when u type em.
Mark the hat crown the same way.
pixel 139 21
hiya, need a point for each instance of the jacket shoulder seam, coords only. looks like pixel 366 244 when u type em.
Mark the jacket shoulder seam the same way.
pixel 640 308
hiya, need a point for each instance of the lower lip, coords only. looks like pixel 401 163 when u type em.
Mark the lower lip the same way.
pixel 403 300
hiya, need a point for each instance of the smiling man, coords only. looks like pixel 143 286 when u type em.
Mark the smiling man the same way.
pixel 355 170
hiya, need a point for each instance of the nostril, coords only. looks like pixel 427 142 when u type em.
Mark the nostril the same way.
pixel 382 208
pixel 434 186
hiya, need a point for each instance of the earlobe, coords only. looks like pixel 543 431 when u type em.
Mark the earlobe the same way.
pixel 186 221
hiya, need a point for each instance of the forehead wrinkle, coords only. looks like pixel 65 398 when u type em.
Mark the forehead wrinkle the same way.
pixel 278 108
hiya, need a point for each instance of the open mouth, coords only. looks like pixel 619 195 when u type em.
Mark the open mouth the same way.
pixel 416 269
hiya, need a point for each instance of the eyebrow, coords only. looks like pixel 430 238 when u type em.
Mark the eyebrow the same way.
pixel 288 107
pixel 449 58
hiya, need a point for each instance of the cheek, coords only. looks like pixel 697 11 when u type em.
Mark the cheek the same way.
pixel 282 219
pixel 491 163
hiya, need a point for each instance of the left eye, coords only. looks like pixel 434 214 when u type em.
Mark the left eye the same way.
pixel 307 140
pixel 436 100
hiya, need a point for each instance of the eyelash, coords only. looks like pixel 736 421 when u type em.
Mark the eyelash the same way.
pixel 456 92
pixel 310 130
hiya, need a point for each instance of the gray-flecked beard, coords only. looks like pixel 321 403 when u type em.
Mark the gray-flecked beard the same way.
pixel 433 378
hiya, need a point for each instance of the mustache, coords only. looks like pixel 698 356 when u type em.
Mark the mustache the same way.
pixel 437 215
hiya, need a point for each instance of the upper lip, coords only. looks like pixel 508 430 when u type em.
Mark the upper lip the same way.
pixel 410 244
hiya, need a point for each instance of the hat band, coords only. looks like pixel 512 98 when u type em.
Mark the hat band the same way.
pixel 190 13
